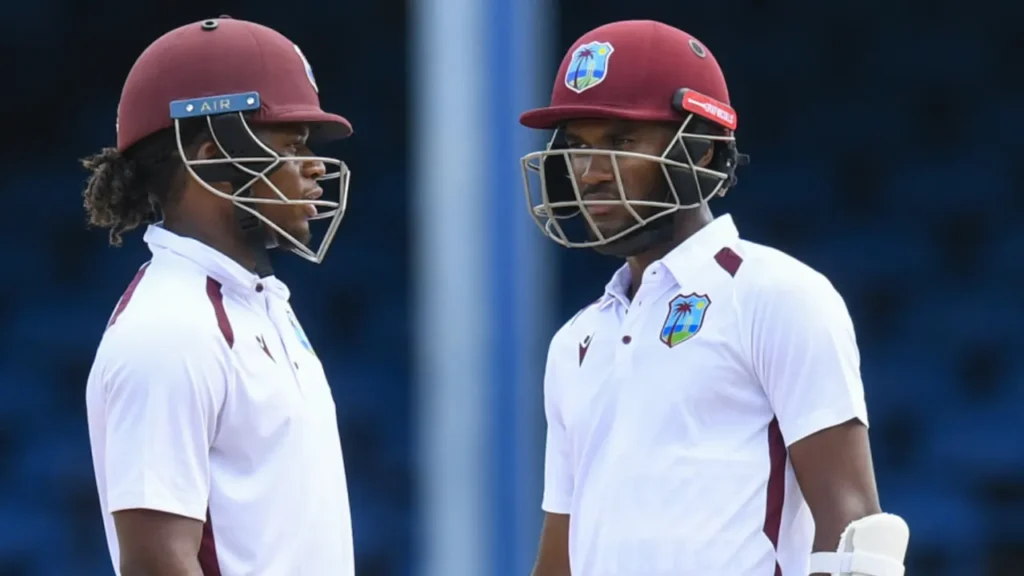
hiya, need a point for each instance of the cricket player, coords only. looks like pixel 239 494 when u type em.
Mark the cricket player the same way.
pixel 706 415
pixel 214 434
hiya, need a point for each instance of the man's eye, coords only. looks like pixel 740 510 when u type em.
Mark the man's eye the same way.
pixel 296 149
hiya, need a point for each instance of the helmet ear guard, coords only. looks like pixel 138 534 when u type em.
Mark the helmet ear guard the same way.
pixel 709 118
pixel 688 149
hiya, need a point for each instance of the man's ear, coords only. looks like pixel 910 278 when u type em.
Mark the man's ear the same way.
pixel 706 160
pixel 207 150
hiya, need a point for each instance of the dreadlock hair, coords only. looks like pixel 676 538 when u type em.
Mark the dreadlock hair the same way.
pixel 127 190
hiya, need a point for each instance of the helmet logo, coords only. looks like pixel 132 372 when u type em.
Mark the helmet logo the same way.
pixel 309 69
pixel 698 49
pixel 588 66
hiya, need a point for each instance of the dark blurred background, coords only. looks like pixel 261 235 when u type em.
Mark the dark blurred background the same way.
pixel 881 135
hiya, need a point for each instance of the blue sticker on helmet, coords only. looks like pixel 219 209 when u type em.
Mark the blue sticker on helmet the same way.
pixel 212 105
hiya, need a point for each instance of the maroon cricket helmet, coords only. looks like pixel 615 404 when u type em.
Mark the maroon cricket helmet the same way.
pixel 634 70
pixel 233 75
pixel 216 57
pixel 641 71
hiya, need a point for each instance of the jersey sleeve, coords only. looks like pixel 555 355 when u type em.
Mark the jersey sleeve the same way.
pixel 558 470
pixel 805 354
pixel 163 392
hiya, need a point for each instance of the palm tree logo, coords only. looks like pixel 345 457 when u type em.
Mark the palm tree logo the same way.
pixel 588 66
pixel 685 318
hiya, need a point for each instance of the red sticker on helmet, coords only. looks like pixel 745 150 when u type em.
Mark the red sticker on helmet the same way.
pixel 709 108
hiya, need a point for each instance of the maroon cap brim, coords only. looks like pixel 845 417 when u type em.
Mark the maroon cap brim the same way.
pixel 551 117
pixel 324 126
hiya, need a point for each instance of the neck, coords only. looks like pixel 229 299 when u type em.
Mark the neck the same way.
pixel 687 223
pixel 232 245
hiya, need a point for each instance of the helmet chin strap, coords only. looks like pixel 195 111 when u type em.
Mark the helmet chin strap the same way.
pixel 258 239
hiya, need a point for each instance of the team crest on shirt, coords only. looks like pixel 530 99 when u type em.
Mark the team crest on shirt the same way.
pixel 300 333
pixel 588 66
pixel 685 318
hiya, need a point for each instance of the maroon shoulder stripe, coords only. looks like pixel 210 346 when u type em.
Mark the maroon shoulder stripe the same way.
pixel 127 296
pixel 216 295
pixel 208 547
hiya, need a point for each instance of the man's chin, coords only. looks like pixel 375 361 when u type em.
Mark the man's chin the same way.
pixel 608 230
pixel 300 232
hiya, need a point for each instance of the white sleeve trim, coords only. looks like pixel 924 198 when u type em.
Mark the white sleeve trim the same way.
pixel 166 502
pixel 818 421
pixel 556 506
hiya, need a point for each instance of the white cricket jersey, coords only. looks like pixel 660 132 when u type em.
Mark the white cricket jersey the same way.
pixel 669 416
pixel 206 400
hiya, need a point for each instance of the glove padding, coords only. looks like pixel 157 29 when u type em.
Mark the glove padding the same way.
pixel 872 546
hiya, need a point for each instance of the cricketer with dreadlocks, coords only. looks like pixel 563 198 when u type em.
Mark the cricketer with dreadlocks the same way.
pixel 213 429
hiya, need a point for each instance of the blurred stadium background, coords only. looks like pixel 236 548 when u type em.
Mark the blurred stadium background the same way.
pixel 882 136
